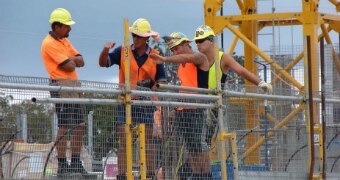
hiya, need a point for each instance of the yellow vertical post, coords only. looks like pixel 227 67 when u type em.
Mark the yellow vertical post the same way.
pixel 142 155
pixel 319 131
pixel 234 154
pixel 128 131
pixel 249 29
pixel 311 23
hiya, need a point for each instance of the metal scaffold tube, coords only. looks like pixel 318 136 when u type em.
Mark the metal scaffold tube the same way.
pixel 60 88
pixel 120 102
pixel 177 88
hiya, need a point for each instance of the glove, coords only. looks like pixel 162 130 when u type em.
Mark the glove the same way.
pixel 147 83
pixel 266 87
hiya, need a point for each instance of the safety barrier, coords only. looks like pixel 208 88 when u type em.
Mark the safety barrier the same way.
pixel 264 135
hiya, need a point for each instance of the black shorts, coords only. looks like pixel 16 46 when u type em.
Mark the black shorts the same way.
pixel 139 114
pixel 189 123
pixel 68 115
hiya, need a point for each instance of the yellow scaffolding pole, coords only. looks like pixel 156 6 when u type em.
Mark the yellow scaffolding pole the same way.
pixel 309 18
pixel 264 56
pixel 128 131
pixel 233 45
pixel 311 22
pixel 299 57
pixel 142 148
pixel 232 138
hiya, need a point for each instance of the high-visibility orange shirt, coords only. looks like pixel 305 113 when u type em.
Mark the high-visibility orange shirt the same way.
pixel 192 76
pixel 55 52
pixel 146 71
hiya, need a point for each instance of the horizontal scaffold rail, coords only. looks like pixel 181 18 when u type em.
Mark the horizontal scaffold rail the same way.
pixel 201 97
pixel 183 88
pixel 229 93
pixel 119 101
pixel 59 88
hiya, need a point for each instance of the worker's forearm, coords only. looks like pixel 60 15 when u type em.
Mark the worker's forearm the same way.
pixel 103 57
pixel 183 58
pixel 78 60
pixel 251 77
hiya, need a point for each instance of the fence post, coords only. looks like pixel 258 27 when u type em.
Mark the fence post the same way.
pixel 90 132
pixel 22 124
pixel 54 125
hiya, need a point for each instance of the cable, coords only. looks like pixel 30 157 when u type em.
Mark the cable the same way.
pixel 54 145
pixel 242 137
pixel 336 160
pixel 333 138
pixel 26 157
pixel 2 148
pixel 292 156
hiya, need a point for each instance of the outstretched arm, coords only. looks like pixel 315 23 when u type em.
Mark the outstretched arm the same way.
pixel 230 62
pixel 196 58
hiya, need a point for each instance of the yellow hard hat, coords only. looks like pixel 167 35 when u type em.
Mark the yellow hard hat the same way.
pixel 142 27
pixel 61 15
pixel 175 39
pixel 203 31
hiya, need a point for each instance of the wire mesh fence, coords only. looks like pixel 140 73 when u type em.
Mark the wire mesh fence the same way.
pixel 181 140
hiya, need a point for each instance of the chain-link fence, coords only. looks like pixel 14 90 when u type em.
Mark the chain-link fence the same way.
pixel 181 132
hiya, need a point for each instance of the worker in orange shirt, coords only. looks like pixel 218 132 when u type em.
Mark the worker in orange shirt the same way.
pixel 61 60
pixel 193 71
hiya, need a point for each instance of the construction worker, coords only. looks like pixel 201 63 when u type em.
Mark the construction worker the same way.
pixel 61 60
pixel 204 39
pixel 193 71
pixel 142 69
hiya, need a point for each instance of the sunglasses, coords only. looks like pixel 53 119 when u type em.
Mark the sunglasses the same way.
pixel 136 36
pixel 199 41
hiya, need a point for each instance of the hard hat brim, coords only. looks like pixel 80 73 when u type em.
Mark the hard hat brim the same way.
pixel 69 23
pixel 198 38
pixel 179 42
pixel 144 34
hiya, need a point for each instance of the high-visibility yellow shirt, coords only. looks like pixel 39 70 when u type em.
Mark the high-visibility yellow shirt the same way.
pixel 212 72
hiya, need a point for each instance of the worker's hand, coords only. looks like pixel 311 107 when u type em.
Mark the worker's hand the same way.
pixel 157 58
pixel 266 87
pixel 109 45
pixel 78 60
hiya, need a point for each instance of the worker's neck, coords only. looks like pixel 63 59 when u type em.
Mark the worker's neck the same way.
pixel 141 50
pixel 57 35
pixel 211 56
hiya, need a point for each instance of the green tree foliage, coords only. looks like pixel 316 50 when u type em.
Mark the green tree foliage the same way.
pixel 38 121
pixel 105 133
